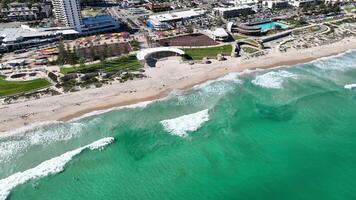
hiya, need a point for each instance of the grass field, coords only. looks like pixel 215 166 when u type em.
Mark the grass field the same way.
pixel 92 12
pixel 239 37
pixel 128 62
pixel 211 52
pixel 14 87
pixel 343 21
pixel 249 50
pixel 350 8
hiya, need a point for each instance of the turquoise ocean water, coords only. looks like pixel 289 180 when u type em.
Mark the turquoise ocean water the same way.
pixel 286 133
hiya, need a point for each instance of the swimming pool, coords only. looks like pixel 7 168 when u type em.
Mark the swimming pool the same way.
pixel 270 25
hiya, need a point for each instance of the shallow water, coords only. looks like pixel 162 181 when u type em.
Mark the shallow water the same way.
pixel 288 133
pixel 271 25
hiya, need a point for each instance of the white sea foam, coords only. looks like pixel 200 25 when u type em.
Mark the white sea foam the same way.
pixel 99 112
pixel 334 62
pixel 181 125
pixel 273 79
pixel 28 128
pixel 46 168
pixel 40 134
pixel 350 86
pixel 231 77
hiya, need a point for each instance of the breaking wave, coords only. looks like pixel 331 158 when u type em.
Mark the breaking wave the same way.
pixel 46 168
pixel 350 86
pixel 181 125
pixel 273 79
pixel 17 141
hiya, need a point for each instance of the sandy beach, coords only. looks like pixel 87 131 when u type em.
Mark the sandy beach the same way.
pixel 170 74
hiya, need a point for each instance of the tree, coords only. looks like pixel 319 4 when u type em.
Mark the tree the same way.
pixel 102 61
pixel 190 29
pixel 92 53
pixel 81 63
pixel 106 50
pixel 62 54
pixel 5 3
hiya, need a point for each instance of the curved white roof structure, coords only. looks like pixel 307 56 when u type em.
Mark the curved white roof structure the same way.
pixel 142 55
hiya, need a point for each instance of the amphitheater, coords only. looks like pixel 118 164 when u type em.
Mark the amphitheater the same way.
pixel 149 57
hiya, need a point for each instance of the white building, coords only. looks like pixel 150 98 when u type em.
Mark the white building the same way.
pixel 232 12
pixel 218 34
pixel 12 39
pixel 68 13
pixel 161 22
pixel 245 2
pixel 299 3
pixel 271 4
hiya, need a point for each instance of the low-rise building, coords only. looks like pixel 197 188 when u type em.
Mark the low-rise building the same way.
pixel 245 2
pixel 22 12
pixel 300 3
pixel 276 4
pixel 244 29
pixel 162 21
pixel 218 34
pixel 158 7
pixel 99 24
pixel 232 12
pixel 12 39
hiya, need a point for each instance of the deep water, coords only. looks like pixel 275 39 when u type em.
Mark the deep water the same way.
pixel 286 133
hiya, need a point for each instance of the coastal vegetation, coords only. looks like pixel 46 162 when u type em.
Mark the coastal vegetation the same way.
pixel 200 53
pixel 350 8
pixel 249 50
pixel 321 8
pixel 129 62
pixel 295 22
pixel 344 21
pixel 92 12
pixel 239 36
pixel 14 87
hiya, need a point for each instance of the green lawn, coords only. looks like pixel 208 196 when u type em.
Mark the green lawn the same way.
pixel 249 50
pixel 128 62
pixel 343 21
pixel 238 36
pixel 92 12
pixel 211 52
pixel 350 8
pixel 14 87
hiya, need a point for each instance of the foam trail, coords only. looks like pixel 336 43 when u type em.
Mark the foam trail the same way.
pixel 28 128
pixel 231 77
pixel 181 125
pixel 273 79
pixel 46 168
pixel 350 86
pixel 99 112
pixel 11 143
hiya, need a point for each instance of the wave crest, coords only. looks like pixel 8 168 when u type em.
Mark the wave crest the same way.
pixel 273 79
pixel 181 125
pixel 46 168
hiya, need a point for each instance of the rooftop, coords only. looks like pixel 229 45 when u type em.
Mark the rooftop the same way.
pixel 142 55
pixel 15 34
pixel 222 9
pixel 178 15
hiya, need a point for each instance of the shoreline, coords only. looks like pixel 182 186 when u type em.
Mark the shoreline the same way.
pixel 169 75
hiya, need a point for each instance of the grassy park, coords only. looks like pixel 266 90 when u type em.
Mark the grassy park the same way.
pixel 123 63
pixel 92 12
pixel 14 87
pixel 200 53
pixel 249 50
pixel 350 8
pixel 239 36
